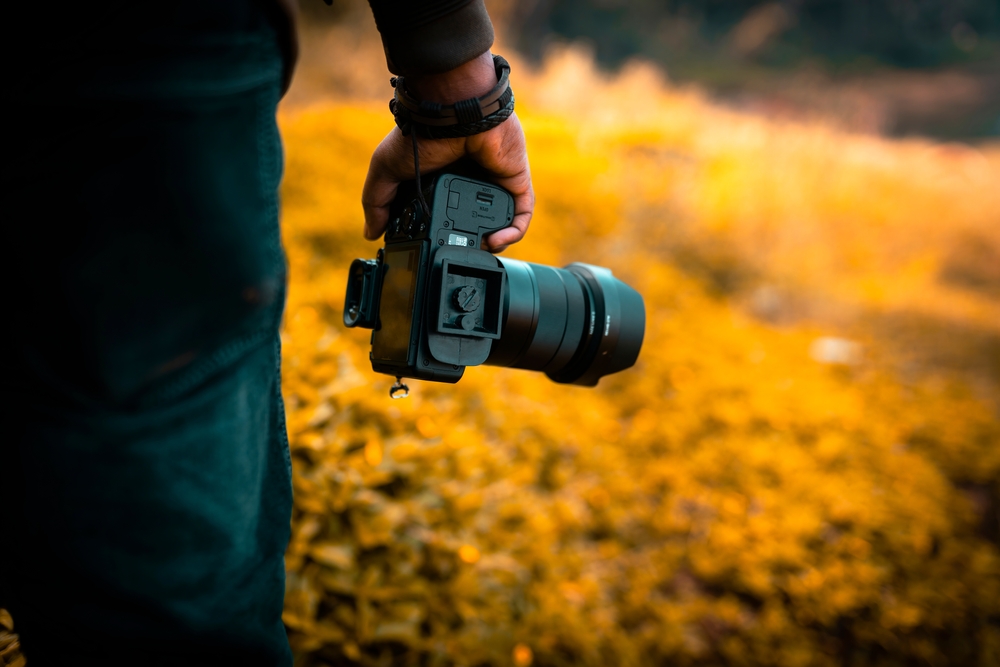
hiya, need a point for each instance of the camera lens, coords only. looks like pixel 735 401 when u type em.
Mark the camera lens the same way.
pixel 576 324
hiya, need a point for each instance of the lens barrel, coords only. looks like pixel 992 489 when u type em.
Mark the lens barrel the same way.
pixel 576 324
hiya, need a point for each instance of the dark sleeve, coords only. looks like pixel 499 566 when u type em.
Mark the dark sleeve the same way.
pixel 431 36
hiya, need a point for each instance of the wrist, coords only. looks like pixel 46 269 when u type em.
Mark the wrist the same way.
pixel 465 117
pixel 472 79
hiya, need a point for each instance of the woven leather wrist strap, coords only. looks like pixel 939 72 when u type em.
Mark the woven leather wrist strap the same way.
pixel 462 119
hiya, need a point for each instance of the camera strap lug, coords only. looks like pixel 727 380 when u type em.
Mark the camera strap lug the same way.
pixel 399 390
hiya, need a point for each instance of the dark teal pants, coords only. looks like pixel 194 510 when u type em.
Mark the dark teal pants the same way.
pixel 146 480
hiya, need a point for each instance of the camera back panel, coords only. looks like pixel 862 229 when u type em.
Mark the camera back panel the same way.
pixel 430 326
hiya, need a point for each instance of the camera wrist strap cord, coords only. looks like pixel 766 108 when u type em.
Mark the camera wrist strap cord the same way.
pixel 416 169
pixel 439 121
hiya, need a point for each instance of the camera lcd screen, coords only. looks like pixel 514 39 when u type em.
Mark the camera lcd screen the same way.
pixel 399 285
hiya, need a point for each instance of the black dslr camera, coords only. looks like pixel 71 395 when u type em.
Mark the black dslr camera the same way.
pixel 437 303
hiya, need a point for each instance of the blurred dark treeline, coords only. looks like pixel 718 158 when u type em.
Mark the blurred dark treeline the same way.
pixel 900 33
pixel 896 67
pixel 892 67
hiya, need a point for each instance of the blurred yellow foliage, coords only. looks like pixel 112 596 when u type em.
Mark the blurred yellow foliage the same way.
pixel 523 655
pixel 730 500
pixel 10 645
pixel 468 553
pixel 753 492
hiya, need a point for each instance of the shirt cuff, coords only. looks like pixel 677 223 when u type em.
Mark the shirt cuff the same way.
pixel 432 37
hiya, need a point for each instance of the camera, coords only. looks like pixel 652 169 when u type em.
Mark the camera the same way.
pixel 437 303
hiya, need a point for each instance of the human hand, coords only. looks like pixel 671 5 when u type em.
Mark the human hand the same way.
pixel 501 152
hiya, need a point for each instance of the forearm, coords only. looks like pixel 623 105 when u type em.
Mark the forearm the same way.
pixel 472 79
pixel 427 37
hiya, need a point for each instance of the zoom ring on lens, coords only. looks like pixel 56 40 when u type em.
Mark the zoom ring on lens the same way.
pixel 576 324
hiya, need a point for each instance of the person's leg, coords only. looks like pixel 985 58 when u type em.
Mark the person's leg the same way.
pixel 146 486
pixel 157 536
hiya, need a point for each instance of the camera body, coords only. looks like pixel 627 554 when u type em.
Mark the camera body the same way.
pixel 433 299
pixel 437 303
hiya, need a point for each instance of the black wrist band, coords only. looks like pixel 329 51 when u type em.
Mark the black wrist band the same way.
pixel 462 119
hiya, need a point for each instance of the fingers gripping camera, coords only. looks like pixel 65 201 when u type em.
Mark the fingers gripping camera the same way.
pixel 437 303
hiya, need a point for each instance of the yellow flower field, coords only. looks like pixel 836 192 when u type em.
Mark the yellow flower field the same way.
pixel 743 496
pixel 802 469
